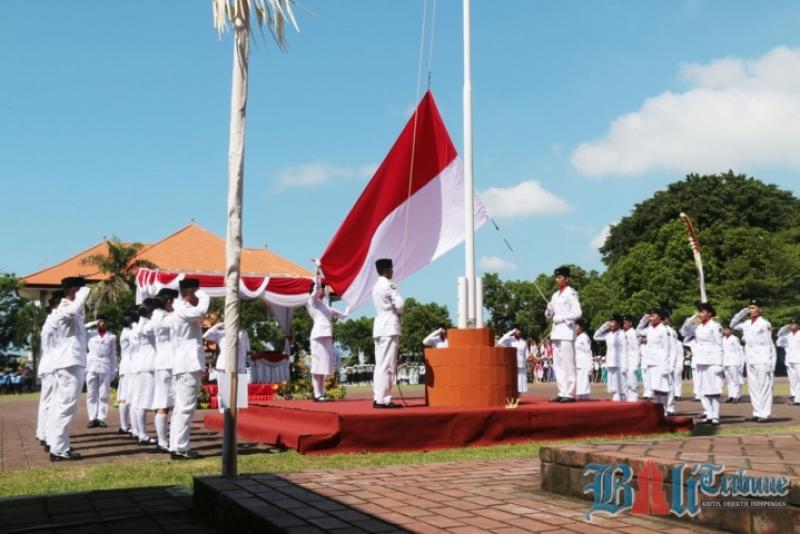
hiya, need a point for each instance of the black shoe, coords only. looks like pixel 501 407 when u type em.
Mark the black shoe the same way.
pixel 46 447
pixel 124 432
pixel 796 404
pixel 69 455
pixel 715 422
pixel 159 448
pixel 148 441
pixel 187 455
pixel 385 405
pixel 729 400
pixel 92 423
pixel 677 399
pixel 567 399
pixel 101 424
pixel 555 399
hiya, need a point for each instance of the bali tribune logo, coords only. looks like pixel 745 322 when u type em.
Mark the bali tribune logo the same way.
pixel 613 492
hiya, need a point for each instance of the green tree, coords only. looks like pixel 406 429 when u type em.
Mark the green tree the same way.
pixel 355 336
pixel 10 306
pixel 120 264
pixel 419 320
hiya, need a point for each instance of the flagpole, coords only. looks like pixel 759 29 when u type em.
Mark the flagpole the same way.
pixel 469 202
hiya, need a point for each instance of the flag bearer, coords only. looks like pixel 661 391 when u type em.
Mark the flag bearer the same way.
pixel 564 309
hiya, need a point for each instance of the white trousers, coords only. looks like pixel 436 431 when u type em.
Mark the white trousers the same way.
pixel 583 382
pixel 648 391
pixel 793 370
pixel 759 382
pixel 522 380
pixel 677 382
pixel 385 372
pixel 68 393
pixel 122 389
pixel 615 387
pixel 733 378
pixel 695 383
pixel 97 385
pixel 186 387
pixel 48 388
pixel 564 365
pixel 631 384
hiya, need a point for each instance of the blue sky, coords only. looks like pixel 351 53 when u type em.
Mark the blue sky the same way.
pixel 114 118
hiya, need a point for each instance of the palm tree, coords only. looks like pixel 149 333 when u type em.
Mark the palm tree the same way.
pixel 238 13
pixel 120 264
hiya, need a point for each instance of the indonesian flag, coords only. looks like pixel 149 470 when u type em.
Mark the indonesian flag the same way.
pixel 412 216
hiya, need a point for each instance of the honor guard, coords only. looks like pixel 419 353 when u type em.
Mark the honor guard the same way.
pixel 732 361
pixel 163 395
pixel 657 354
pixel 101 367
pixel 386 334
pixel 49 343
pixel 612 335
pixel 760 357
pixel 69 366
pixel 789 339
pixel 321 338
pixel 437 339
pixel 707 353
pixel 583 361
pixel 127 349
pixel 514 338
pixel 632 359
pixel 564 309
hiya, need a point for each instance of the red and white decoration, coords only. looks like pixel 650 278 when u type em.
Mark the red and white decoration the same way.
pixel 411 216
pixel 282 294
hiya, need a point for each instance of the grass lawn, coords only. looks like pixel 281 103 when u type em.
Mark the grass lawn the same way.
pixel 74 478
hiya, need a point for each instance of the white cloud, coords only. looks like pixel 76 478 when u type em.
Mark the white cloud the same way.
pixel 495 264
pixel 522 200
pixel 600 239
pixel 317 173
pixel 737 114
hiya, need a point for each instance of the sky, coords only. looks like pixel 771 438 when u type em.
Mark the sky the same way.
pixel 114 119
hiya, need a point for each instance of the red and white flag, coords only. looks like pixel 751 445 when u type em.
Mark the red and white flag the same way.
pixel 410 217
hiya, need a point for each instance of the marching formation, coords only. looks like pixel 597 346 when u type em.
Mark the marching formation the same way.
pixel 161 358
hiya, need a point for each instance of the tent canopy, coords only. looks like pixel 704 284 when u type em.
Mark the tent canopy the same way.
pixel 281 293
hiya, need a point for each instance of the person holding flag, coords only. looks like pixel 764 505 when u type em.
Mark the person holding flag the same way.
pixel 386 334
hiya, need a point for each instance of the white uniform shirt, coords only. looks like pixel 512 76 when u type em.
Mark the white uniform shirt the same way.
pixel 632 349
pixel 49 343
pixel 583 351
pixel 732 352
pixel 707 344
pixel 508 340
pixel 147 345
pixel 435 340
pixel 791 343
pixel 564 309
pixel 127 348
pixel 189 356
pixel 217 335
pixel 102 354
pixel 161 323
pixel 71 334
pixel 757 337
pixel 388 307
pixel 322 315
pixel 615 346
pixel 660 346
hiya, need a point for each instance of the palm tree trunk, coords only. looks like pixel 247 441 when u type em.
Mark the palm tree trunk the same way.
pixel 233 244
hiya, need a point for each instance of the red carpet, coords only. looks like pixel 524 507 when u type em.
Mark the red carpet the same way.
pixel 355 426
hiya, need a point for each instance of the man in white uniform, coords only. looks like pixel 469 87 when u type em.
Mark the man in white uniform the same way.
pixel 386 334
pixel 759 355
pixel 189 361
pixel 612 335
pixel 583 361
pixel 437 339
pixel 69 367
pixel 127 349
pixel 49 342
pixel 732 360
pixel 632 357
pixel 789 339
pixel 163 397
pixel 707 352
pixel 146 378
pixel 514 338
pixel 217 334
pixel 101 366
pixel 564 309
pixel 321 338
pixel 657 354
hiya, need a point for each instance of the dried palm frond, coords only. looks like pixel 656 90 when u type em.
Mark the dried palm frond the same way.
pixel 270 13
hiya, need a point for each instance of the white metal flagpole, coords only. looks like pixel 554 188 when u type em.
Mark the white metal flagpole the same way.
pixel 469 201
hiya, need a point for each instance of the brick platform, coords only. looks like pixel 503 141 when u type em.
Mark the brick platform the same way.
pixel 761 455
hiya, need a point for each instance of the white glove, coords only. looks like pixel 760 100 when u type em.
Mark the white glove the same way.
pixel 557 319
pixel 548 312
